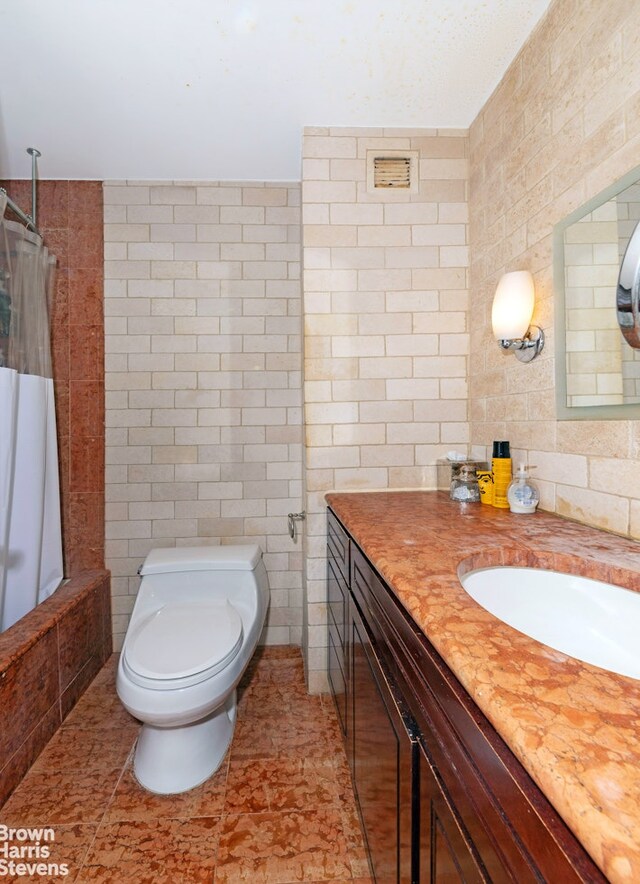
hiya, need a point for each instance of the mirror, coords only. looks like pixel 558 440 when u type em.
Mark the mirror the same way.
pixel 596 261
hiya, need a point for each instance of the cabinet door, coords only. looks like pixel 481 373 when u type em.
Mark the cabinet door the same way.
pixel 381 755
pixel 446 855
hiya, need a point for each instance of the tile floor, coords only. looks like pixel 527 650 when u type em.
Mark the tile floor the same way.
pixel 279 810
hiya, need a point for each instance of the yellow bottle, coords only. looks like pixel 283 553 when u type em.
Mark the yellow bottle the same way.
pixel 501 470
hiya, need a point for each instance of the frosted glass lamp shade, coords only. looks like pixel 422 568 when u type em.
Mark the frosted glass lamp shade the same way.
pixel 513 305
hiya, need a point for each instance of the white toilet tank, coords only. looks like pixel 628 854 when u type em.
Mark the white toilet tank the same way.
pixel 202 558
pixel 204 574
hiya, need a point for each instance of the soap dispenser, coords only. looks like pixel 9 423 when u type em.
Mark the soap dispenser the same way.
pixel 522 494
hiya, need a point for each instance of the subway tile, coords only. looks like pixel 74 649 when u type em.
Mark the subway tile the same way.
pixel 356 214
pixel 413 388
pixel 411 213
pixel 123 195
pixel 127 233
pixel 417 344
pixel 385 280
pixel 218 270
pixel 413 256
pixel 264 196
pixel 115 251
pixel 127 269
pixel 147 214
pixel 175 195
pixel 383 235
pixel 211 195
pixel 316 146
pixel 279 215
pixel 359 434
pixel 416 433
pixel 333 191
pixel 149 251
pixel 115 214
pixel 148 288
pixel 173 233
pixel 386 411
pixel 344 347
pixel 173 269
pixel 316 169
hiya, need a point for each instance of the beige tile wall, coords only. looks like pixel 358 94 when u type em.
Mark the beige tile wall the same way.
pixel 203 379
pixel 385 301
pixel 563 124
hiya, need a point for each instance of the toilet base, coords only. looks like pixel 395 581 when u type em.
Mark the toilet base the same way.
pixel 175 759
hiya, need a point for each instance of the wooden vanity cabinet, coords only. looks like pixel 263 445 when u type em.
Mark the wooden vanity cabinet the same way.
pixel 441 796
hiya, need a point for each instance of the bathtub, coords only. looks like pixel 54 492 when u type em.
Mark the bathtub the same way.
pixel 47 660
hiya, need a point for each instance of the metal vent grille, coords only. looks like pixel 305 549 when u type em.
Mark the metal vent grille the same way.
pixel 392 172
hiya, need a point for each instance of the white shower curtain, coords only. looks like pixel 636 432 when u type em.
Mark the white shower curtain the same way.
pixel 30 532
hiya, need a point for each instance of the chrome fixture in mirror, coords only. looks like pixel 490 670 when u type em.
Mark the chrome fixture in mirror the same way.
pixel 597 296
pixel 628 292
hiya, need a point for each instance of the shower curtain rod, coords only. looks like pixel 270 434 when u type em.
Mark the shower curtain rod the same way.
pixel 28 220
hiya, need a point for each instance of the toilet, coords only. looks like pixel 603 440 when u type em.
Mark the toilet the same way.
pixel 194 627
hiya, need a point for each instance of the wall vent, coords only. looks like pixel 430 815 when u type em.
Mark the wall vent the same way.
pixel 392 171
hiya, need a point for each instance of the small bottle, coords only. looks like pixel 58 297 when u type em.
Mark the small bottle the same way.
pixel 522 494
pixel 501 470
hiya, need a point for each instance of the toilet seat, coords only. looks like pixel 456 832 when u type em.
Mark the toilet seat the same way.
pixel 180 645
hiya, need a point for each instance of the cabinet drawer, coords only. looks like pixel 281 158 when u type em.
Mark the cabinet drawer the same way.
pixel 337 595
pixel 338 546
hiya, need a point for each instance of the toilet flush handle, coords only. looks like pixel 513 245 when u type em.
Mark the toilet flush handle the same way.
pixel 292 518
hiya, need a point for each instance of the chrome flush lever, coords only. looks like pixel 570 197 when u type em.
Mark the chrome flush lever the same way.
pixel 292 518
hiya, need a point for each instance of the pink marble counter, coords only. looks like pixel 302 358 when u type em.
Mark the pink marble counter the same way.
pixel 574 727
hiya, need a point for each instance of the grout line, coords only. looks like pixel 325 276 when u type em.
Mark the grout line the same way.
pixel 106 808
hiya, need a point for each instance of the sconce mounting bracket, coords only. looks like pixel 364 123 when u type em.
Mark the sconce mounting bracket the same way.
pixel 525 349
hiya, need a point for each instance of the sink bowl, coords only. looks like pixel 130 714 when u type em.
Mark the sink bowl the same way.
pixel 592 621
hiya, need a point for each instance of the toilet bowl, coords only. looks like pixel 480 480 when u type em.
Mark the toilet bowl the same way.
pixel 194 627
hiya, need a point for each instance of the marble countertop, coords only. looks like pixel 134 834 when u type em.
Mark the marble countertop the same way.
pixel 574 727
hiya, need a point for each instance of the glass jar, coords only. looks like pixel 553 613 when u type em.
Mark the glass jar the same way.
pixel 464 485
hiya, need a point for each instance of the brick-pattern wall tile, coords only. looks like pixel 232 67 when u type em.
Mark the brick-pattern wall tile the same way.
pixel 203 355
pixel 386 339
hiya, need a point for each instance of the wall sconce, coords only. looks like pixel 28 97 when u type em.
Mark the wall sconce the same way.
pixel 511 314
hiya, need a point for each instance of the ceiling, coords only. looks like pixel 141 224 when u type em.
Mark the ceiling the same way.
pixel 221 89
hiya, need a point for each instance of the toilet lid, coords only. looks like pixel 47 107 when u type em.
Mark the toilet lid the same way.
pixel 181 640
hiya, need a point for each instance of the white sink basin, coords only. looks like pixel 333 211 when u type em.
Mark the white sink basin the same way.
pixel 592 621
